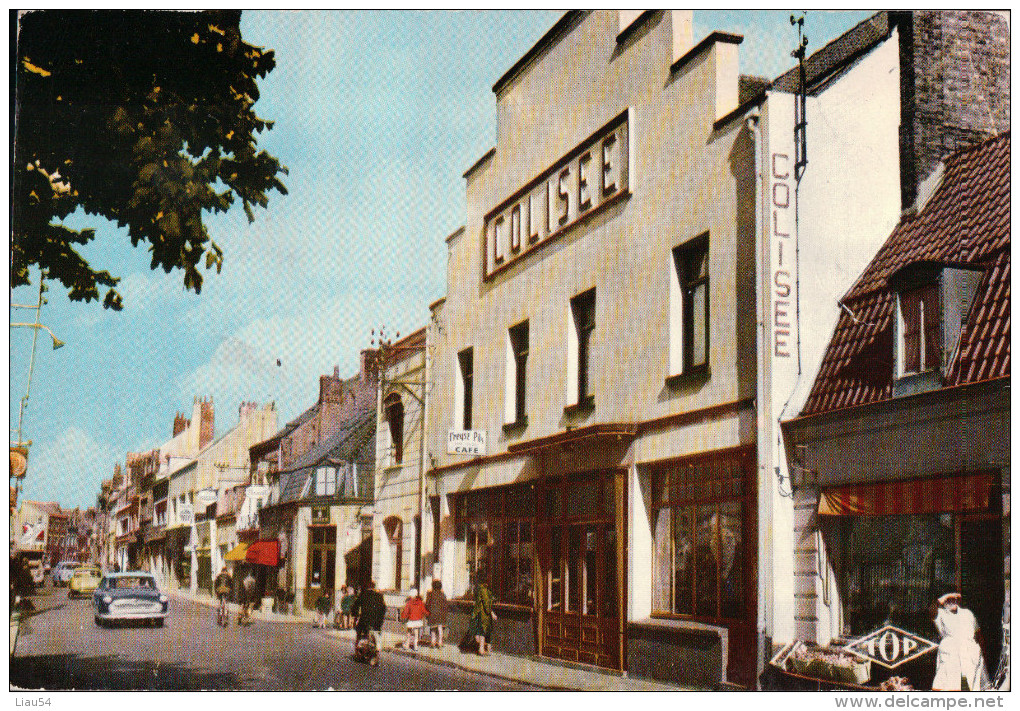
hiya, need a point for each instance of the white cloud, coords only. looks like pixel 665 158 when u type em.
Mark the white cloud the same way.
pixel 70 468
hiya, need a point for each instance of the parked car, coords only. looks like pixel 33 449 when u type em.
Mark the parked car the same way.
pixel 63 572
pixel 129 596
pixel 85 580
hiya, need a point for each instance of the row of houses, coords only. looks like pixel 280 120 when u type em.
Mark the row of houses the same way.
pixel 723 363
pixel 44 534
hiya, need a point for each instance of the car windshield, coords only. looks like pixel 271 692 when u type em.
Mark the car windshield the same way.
pixel 131 582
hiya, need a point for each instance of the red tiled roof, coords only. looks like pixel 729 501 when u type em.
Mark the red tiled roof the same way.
pixel 965 222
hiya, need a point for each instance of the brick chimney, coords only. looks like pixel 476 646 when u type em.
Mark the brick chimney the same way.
pixel 954 87
pixel 180 423
pixel 331 387
pixel 200 430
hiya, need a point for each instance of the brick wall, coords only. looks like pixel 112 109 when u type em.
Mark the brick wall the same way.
pixel 954 87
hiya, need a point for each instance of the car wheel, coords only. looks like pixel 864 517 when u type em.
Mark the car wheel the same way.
pixel 159 622
pixel 99 621
pixel 70 594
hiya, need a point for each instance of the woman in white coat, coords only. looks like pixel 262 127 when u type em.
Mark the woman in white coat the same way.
pixel 959 657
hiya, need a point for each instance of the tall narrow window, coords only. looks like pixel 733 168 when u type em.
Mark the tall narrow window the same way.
pixel 515 410
pixel 395 418
pixel 580 367
pixel 464 387
pixel 689 308
pixel 921 329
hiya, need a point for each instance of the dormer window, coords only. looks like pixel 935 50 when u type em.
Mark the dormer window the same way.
pixel 921 327
pixel 933 301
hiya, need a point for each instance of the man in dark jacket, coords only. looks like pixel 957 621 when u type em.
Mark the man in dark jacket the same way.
pixel 369 610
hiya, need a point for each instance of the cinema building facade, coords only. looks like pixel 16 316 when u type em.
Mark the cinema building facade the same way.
pixel 624 330
pixel 592 333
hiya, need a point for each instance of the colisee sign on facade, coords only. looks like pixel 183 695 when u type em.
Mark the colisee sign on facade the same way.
pixel 465 442
pixel 589 178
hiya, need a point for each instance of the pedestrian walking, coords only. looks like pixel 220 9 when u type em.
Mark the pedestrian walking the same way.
pixel 960 664
pixel 346 603
pixel 322 608
pixel 413 616
pixel 369 610
pixel 437 609
pixel 482 616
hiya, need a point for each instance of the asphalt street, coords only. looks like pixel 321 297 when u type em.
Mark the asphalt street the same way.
pixel 61 647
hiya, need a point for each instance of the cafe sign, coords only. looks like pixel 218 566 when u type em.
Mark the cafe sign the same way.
pixel 465 442
pixel 890 647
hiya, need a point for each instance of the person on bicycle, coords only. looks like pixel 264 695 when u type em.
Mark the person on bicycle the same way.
pixel 248 599
pixel 223 585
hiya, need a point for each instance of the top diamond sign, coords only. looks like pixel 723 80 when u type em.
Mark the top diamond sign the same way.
pixel 890 646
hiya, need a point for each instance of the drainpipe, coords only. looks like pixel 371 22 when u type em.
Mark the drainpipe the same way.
pixel 422 499
pixel 762 391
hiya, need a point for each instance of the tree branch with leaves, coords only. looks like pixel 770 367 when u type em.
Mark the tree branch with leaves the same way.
pixel 144 118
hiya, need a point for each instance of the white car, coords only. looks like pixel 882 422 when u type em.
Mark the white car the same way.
pixel 63 572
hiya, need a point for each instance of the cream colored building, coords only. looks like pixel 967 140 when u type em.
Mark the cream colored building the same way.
pixel 597 346
pixel 400 504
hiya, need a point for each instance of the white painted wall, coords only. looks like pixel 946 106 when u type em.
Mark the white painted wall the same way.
pixel 847 203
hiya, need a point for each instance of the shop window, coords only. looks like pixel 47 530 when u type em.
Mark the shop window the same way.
pixel 515 407
pixel 464 388
pixel 699 524
pixel 689 308
pixel 497 527
pixel 580 364
pixel 395 419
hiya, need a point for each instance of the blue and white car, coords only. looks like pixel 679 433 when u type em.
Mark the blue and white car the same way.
pixel 129 596
pixel 62 573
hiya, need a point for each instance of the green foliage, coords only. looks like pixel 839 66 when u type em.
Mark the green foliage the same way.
pixel 140 117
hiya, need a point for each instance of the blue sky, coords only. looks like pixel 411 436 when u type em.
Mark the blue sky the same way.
pixel 378 115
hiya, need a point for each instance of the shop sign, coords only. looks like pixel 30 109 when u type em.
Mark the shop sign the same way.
pixel 465 442
pixel 187 514
pixel 890 646
pixel 206 496
pixel 320 514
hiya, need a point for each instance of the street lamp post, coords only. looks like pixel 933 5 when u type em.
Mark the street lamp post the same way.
pixel 19 449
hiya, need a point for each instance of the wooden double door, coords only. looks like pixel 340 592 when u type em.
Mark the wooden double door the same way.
pixel 581 556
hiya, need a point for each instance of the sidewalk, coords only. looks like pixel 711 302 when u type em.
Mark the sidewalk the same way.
pixel 526 670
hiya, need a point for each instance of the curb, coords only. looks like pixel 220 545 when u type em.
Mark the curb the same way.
pixel 480 672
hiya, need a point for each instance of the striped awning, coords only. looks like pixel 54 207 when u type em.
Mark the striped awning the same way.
pixel 967 492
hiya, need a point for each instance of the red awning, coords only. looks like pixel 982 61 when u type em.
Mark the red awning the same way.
pixel 263 553
pixel 968 492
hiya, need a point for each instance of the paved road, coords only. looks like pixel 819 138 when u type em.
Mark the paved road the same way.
pixel 61 647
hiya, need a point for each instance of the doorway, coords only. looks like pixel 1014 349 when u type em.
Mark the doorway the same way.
pixel 581 556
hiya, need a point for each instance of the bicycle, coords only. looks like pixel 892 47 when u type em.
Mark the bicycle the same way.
pixel 223 612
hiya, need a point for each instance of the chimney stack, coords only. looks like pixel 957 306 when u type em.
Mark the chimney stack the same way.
pixel 180 423
pixel 330 387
